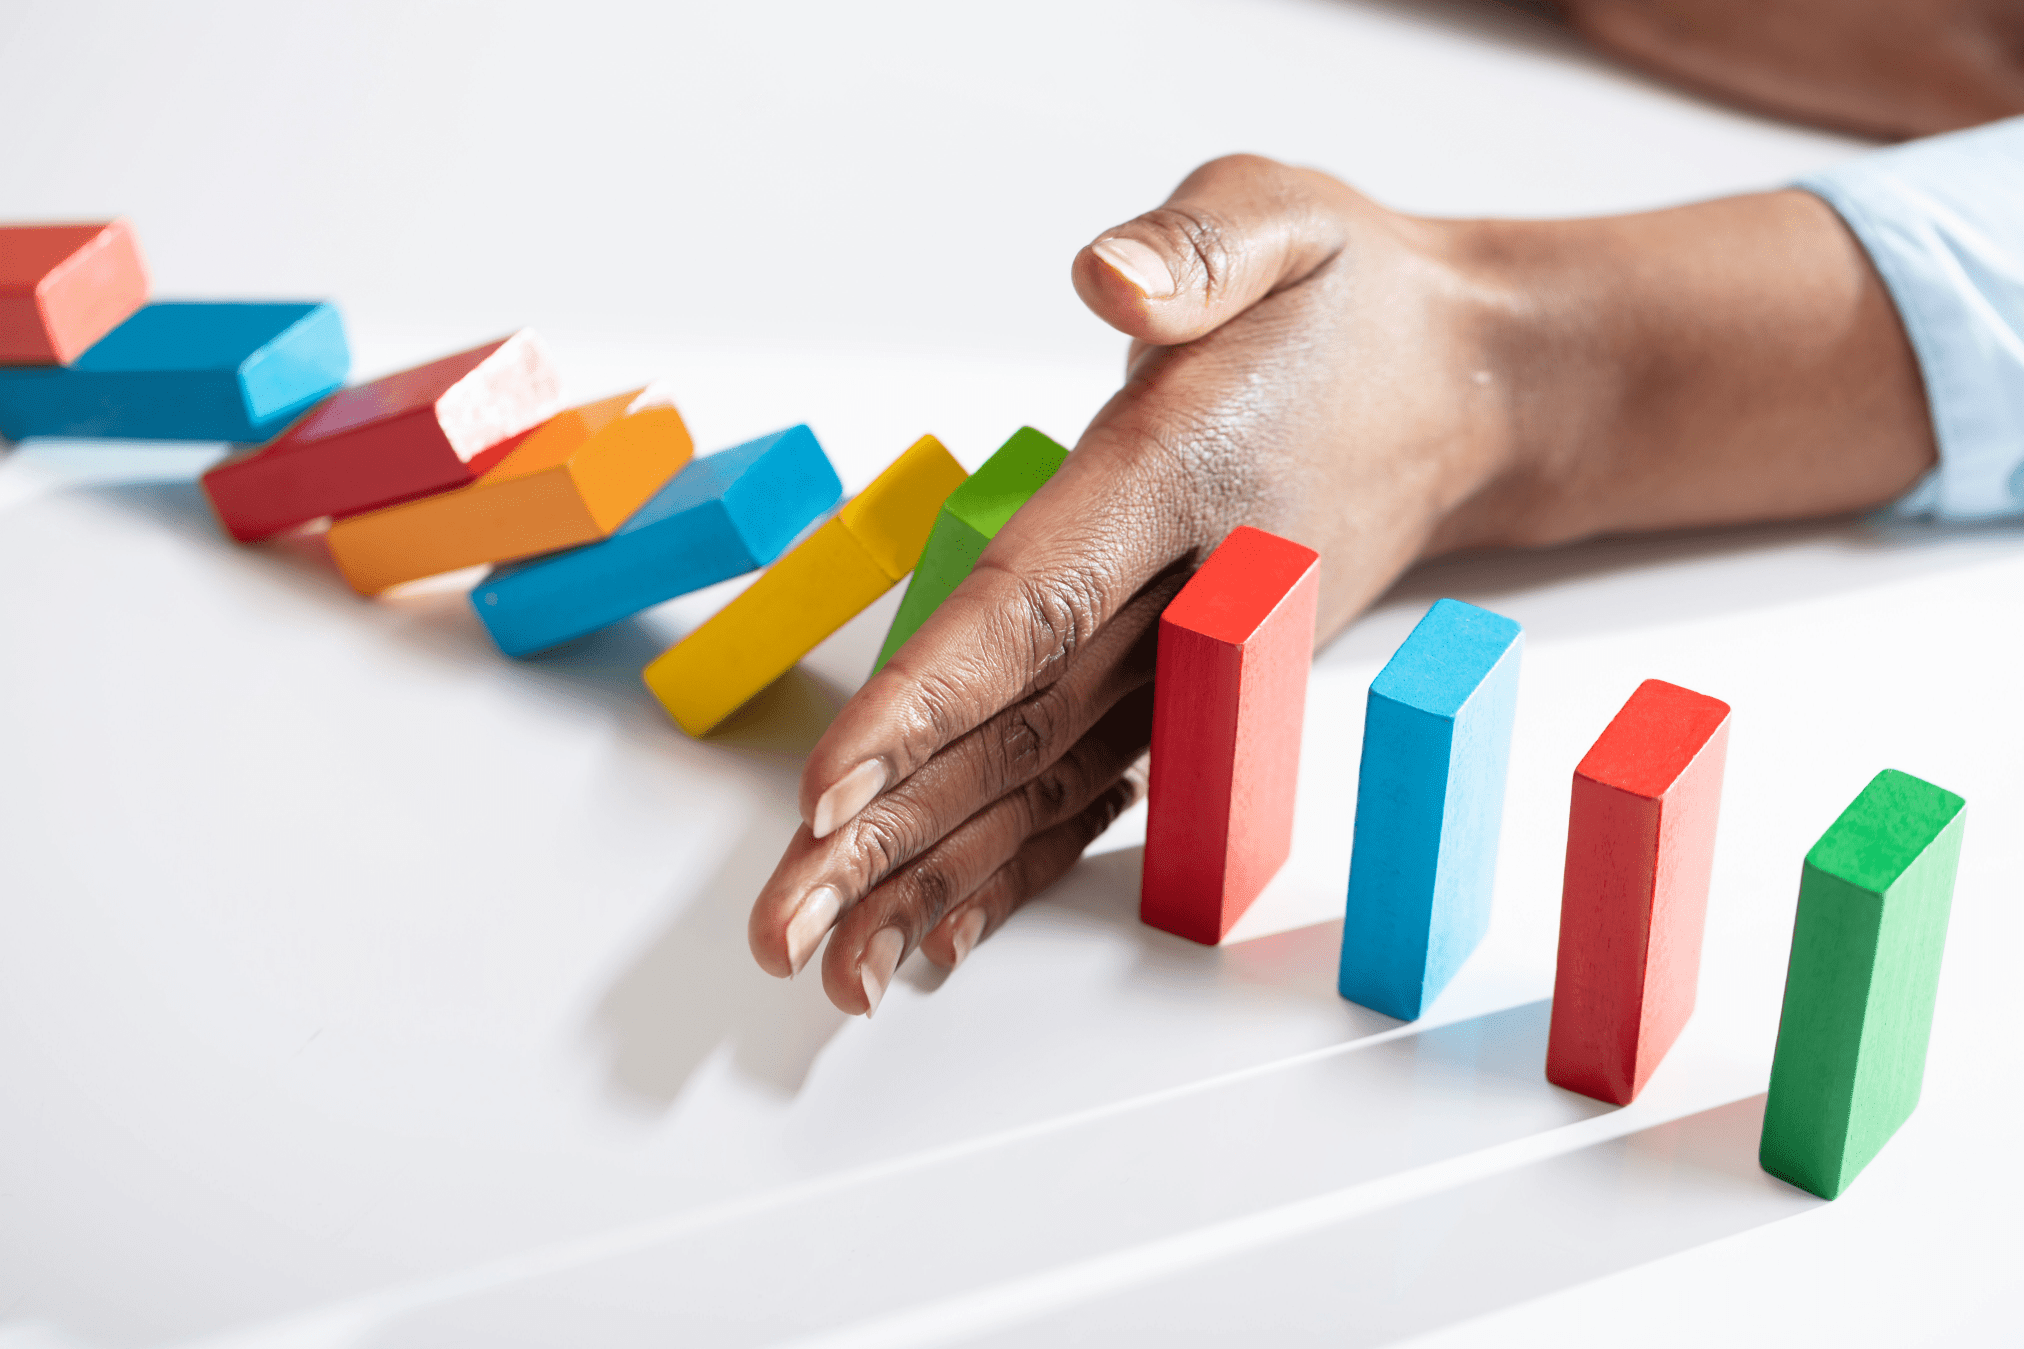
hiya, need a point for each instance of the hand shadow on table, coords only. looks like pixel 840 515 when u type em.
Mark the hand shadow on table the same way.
pixel 1297 965
pixel 695 989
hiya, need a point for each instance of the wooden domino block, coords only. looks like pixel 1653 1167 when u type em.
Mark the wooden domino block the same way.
pixel 1234 650
pixel 1640 848
pixel 437 426
pixel 722 516
pixel 1865 969
pixel 63 287
pixel 1429 800
pixel 185 371
pixel 820 585
pixel 969 519
pixel 573 479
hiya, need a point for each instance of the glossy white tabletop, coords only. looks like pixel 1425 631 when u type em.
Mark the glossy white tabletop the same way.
pixel 361 988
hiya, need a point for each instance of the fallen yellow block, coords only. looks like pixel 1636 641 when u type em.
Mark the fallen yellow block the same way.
pixel 574 479
pixel 826 581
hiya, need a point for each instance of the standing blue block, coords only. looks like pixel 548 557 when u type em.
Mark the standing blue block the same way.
pixel 181 370
pixel 722 516
pixel 1429 798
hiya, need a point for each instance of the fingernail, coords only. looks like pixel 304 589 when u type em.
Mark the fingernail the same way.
pixel 881 958
pixel 818 910
pixel 968 928
pixel 847 796
pixel 1137 264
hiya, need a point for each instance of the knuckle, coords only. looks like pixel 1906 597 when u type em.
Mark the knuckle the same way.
pixel 1051 793
pixel 882 838
pixel 944 708
pixel 927 893
pixel 1056 612
pixel 1198 239
pixel 1063 789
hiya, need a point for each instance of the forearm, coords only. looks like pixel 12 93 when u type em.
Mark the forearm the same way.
pixel 1727 362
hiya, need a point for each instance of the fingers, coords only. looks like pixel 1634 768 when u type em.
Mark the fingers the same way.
pixel 818 879
pixel 1074 555
pixel 1235 231
pixel 993 862
pixel 1039 864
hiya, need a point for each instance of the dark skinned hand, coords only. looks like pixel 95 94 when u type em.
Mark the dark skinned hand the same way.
pixel 1377 387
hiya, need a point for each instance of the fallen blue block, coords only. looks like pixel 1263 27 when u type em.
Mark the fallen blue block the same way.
pixel 722 516
pixel 1429 800
pixel 184 370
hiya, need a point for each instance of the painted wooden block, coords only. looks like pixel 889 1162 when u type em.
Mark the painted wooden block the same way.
pixel 182 370
pixel 1640 848
pixel 722 516
pixel 572 480
pixel 437 426
pixel 821 584
pixel 1429 801
pixel 1234 650
pixel 1865 969
pixel 63 287
pixel 969 519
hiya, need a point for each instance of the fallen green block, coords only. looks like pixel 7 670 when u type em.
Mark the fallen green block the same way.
pixel 1872 923
pixel 971 518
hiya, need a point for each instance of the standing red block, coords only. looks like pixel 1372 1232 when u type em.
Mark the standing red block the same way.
pixel 1640 847
pixel 1235 647
pixel 62 287
pixel 424 430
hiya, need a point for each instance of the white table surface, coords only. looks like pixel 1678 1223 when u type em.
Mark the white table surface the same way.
pixel 361 988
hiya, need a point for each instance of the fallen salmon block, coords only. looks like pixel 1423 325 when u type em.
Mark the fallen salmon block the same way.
pixel 63 287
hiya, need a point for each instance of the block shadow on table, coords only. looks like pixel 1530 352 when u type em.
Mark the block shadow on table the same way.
pixel 959 1222
pixel 1459 1253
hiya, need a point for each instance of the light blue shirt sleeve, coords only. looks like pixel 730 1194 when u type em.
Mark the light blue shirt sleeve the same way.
pixel 1943 220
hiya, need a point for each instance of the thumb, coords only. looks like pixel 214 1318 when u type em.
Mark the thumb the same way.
pixel 1235 231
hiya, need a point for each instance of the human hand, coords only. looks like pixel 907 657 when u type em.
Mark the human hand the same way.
pixel 1377 387
pixel 1303 361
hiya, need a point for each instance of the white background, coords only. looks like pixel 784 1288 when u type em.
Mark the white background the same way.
pixel 360 988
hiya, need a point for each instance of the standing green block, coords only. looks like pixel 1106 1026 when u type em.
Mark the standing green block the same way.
pixel 971 518
pixel 1873 901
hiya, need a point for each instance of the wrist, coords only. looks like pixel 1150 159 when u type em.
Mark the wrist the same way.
pixel 1732 361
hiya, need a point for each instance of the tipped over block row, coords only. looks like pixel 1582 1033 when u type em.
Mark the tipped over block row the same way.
pixel 572 480
pixel 183 370
pixel 820 585
pixel 724 515
pixel 970 519
pixel 437 426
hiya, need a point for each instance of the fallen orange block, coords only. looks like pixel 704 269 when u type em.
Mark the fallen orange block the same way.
pixel 573 479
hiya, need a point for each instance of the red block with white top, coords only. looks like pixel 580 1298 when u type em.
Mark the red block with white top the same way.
pixel 424 430
pixel 1640 848
pixel 1234 650
pixel 62 287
